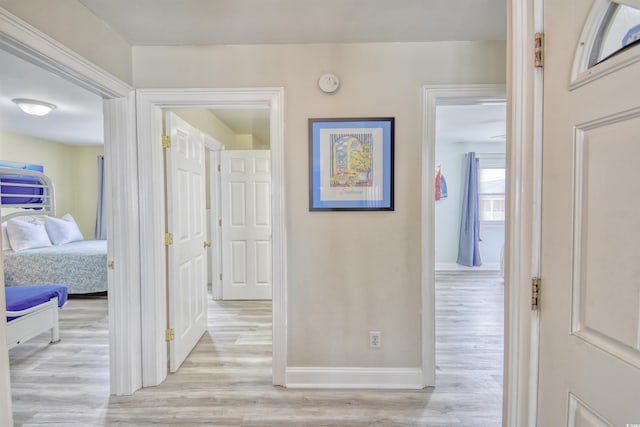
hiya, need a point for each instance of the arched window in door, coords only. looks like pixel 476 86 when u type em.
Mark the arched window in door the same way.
pixel 609 40
pixel 619 30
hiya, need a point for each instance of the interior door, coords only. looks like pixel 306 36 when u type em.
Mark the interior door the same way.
pixel 246 224
pixel 590 264
pixel 215 216
pixel 186 256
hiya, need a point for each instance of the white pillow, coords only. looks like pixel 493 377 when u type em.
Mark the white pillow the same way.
pixel 5 237
pixel 25 234
pixel 62 230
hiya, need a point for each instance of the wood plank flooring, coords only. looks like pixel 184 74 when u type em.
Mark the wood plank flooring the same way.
pixel 227 378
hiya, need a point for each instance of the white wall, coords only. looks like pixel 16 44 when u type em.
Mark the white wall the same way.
pixel 448 211
pixel 73 25
pixel 348 272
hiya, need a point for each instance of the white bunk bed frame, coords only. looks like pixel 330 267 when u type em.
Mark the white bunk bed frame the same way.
pixel 34 320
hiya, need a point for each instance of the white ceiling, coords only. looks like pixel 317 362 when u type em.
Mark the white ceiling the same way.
pixel 199 22
pixel 78 118
pixel 481 122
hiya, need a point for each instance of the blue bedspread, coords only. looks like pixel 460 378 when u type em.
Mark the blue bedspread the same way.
pixel 23 297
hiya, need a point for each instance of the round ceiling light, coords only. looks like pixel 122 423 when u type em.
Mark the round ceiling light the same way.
pixel 34 107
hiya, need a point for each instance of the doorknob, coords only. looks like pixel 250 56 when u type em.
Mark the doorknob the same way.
pixel 206 245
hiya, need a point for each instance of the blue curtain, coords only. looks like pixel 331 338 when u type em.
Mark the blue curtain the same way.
pixel 469 246
pixel 101 215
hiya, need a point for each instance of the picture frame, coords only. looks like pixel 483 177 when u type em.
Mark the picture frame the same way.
pixel 351 164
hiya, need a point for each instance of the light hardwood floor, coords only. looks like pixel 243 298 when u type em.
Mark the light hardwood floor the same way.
pixel 227 378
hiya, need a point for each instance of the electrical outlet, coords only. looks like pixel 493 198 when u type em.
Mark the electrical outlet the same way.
pixel 375 340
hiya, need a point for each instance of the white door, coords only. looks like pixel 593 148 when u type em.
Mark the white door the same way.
pixel 186 256
pixel 246 224
pixel 215 216
pixel 590 264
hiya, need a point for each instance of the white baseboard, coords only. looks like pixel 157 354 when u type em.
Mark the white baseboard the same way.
pixel 354 378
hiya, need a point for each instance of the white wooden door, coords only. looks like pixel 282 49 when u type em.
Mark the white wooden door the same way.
pixel 187 268
pixel 590 264
pixel 215 216
pixel 246 224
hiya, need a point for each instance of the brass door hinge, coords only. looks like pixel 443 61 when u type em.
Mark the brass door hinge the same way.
pixel 110 265
pixel 219 168
pixel 169 335
pixel 168 239
pixel 538 50
pixel 166 141
pixel 219 223
pixel 221 277
pixel 206 245
pixel 535 293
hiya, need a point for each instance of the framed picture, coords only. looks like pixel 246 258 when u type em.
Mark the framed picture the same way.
pixel 351 164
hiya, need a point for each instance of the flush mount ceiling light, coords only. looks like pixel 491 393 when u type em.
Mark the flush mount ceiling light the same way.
pixel 34 107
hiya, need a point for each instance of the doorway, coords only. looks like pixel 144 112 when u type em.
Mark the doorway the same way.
pixel 469 240
pixel 150 106
pixel 27 42
pixel 218 218
pixel 434 96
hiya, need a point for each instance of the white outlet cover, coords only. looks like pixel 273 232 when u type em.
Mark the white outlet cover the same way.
pixel 375 339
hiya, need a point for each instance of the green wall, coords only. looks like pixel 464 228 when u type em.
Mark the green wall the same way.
pixel 73 170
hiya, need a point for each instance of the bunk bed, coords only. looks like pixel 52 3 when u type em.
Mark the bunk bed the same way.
pixel 80 264
pixel 30 309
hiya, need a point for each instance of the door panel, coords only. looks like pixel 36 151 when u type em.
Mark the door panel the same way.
pixel 246 224
pixel 590 309
pixel 186 257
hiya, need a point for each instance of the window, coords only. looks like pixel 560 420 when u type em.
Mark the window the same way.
pixel 620 29
pixel 491 188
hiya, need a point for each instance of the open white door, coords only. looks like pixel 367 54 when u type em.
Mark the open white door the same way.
pixel 246 224
pixel 215 216
pixel 186 256
pixel 590 264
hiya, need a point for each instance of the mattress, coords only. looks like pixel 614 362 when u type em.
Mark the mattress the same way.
pixel 82 266
pixel 20 298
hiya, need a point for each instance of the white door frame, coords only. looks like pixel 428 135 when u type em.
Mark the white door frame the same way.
pixel 25 41
pixel 522 238
pixel 214 147
pixel 153 272
pixel 432 97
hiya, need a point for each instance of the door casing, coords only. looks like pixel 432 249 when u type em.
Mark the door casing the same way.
pixel 432 97
pixel 27 42
pixel 150 103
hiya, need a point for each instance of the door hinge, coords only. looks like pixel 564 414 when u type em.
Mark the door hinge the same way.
pixel 110 265
pixel 219 223
pixel 221 277
pixel 169 334
pixel 538 50
pixel 219 168
pixel 168 239
pixel 535 293
pixel 166 141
